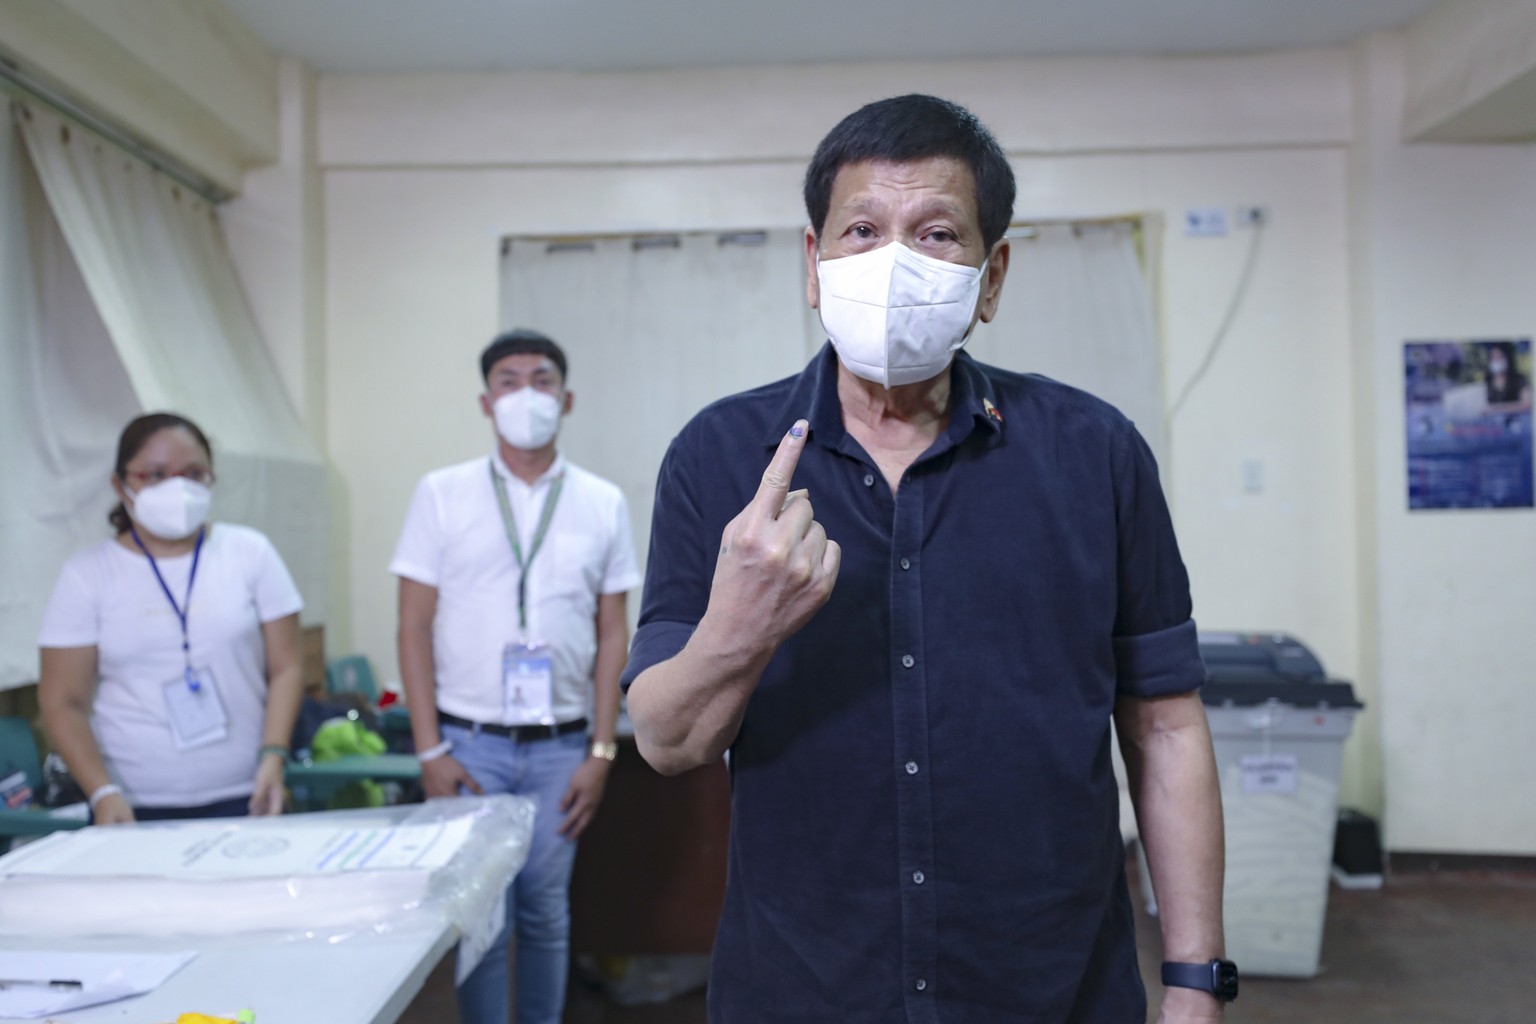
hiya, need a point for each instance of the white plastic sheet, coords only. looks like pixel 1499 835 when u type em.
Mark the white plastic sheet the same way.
pixel 318 876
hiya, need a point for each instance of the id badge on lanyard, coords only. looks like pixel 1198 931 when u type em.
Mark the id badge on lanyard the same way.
pixel 196 711
pixel 527 684
pixel 527 668
pixel 192 703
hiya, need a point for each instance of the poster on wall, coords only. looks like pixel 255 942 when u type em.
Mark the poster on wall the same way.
pixel 1469 423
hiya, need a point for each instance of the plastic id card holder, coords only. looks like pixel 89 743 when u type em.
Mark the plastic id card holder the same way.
pixel 196 712
pixel 527 684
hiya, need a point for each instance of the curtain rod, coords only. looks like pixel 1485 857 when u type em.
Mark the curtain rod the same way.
pixel 756 236
pixel 1026 228
pixel 24 86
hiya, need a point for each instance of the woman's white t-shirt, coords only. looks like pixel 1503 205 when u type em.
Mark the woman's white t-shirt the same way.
pixel 107 597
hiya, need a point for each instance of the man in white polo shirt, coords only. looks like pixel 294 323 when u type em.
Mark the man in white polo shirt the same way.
pixel 513 574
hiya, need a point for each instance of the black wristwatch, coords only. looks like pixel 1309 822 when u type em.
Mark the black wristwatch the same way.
pixel 1218 977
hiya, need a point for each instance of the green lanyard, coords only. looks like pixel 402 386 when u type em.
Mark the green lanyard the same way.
pixel 510 522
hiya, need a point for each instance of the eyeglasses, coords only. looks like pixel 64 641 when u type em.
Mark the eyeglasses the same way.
pixel 196 474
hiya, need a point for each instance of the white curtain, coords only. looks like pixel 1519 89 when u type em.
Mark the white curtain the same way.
pixel 1077 306
pixel 655 329
pixel 117 296
pixel 56 442
pixel 154 259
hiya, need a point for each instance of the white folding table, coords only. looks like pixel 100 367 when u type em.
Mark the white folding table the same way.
pixel 363 979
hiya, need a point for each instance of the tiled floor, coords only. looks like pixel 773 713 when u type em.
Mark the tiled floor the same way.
pixel 1448 948
pixel 1427 949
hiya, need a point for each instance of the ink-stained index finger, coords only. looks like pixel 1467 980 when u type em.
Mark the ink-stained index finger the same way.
pixel 774 488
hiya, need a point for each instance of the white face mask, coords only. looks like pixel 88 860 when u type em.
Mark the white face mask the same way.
pixel 527 418
pixel 171 509
pixel 896 316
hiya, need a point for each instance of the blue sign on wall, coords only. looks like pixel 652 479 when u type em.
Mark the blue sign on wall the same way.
pixel 1469 423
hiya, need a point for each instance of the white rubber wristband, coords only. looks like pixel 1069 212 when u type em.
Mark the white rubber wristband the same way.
pixel 433 753
pixel 102 792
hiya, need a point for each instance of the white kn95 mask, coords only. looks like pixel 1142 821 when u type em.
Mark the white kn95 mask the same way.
pixel 171 509
pixel 894 315
pixel 527 418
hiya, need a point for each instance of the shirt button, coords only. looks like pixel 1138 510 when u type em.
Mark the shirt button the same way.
pixel 919 877
pixel 907 661
pixel 911 767
pixel 905 564
pixel 869 479
pixel 922 983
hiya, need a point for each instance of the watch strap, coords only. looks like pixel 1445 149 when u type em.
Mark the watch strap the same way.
pixel 1218 977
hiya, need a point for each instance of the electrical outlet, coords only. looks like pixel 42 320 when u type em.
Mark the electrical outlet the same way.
pixel 1253 476
pixel 1205 222
pixel 1252 216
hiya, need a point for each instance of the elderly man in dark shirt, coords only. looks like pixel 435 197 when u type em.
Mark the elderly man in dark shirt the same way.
pixel 916 677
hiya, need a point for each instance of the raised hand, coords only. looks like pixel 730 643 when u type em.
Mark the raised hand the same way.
pixel 776 566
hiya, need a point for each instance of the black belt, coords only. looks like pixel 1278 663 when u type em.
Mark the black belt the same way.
pixel 521 733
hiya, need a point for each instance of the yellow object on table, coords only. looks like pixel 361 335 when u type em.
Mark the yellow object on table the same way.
pixel 246 1017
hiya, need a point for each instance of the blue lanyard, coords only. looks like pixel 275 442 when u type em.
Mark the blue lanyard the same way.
pixel 185 608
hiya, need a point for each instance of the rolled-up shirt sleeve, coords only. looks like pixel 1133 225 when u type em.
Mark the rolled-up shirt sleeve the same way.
pixel 680 566
pixel 1157 652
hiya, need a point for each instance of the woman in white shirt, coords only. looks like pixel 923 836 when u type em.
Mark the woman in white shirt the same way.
pixel 170 653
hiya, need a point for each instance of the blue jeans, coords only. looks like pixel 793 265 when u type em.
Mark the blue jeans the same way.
pixel 537 900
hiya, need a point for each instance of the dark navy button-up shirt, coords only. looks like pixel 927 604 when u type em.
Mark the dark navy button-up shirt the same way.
pixel 925 821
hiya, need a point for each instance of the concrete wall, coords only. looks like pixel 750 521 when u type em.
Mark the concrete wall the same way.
pixel 1451 233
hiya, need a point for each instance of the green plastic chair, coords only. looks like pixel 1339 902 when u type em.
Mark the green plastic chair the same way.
pixel 18 753
pixel 352 674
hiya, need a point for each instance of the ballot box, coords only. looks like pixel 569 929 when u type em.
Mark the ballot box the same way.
pixel 1278 724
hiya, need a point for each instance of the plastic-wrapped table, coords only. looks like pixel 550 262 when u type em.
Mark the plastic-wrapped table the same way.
pixel 335 917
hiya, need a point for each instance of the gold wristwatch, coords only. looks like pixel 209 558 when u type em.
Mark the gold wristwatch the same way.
pixel 607 751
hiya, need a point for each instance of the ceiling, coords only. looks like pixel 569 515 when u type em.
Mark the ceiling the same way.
pixel 337 36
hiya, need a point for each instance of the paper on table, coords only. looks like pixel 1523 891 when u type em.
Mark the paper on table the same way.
pixel 227 851
pixel 337 873
pixel 103 978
